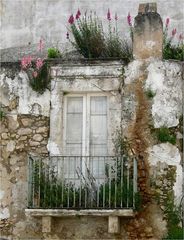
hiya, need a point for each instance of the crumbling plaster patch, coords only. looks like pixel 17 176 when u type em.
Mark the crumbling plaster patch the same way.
pixel 19 87
pixel 169 154
pixel 165 79
pixel 133 71
pixel 1 194
pixel 4 213
pixel 53 148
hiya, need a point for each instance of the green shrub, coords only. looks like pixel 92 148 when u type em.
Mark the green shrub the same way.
pixel 174 219
pixel 150 93
pixel 53 53
pixel 117 48
pixel 91 41
pixel 41 82
pixel 172 50
pixel 175 232
pixel 164 135
pixel 2 114
pixel 88 36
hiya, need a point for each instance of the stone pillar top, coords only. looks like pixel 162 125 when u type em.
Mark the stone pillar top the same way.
pixel 147 32
pixel 147 7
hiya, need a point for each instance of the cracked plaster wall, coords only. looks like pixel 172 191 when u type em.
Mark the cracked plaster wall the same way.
pixel 162 77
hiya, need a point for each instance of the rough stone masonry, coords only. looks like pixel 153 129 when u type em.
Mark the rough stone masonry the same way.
pixel 29 127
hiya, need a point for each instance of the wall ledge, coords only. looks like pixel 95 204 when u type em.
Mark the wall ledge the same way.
pixel 87 212
pixel 113 216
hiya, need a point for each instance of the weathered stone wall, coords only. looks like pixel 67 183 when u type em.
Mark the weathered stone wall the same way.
pixel 159 164
pixel 25 129
pixel 22 133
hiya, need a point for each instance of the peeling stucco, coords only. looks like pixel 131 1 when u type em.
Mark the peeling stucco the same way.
pixel 169 154
pixel 4 213
pixel 132 71
pixel 165 80
pixel 29 102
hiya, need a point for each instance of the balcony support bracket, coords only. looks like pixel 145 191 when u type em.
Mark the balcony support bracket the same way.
pixel 46 224
pixel 113 215
pixel 113 224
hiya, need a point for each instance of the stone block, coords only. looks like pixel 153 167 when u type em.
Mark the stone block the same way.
pixel 37 138
pixel 24 131
pixel 113 224
pixel 46 224
pixel 12 123
pixel 147 33
pixel 147 7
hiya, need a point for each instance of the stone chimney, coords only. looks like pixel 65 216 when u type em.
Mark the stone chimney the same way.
pixel 148 32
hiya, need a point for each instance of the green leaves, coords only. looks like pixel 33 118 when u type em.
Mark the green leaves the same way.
pixel 53 53
pixel 91 41
pixel 88 36
pixel 173 51
pixel 164 135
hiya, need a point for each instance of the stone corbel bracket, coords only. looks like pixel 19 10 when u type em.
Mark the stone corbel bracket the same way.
pixel 113 216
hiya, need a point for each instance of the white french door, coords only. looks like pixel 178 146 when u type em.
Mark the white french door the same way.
pixel 85 125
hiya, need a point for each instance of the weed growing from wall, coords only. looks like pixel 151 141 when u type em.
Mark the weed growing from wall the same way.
pixel 174 219
pixel 172 48
pixel 2 114
pixel 150 94
pixel 37 71
pixel 53 53
pixel 165 135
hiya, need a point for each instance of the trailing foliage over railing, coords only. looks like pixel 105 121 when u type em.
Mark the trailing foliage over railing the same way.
pixel 83 182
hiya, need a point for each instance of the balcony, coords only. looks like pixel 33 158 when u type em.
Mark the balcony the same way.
pixel 76 185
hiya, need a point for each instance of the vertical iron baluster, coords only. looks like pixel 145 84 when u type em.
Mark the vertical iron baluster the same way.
pixel 104 183
pixel 45 180
pixel 122 162
pixel 91 172
pixel 85 204
pixel 128 182
pixel 34 174
pixel 68 182
pixel 98 183
pixel 57 178
pixel 110 182
pixel 62 180
pixel 80 179
pixel 134 180
pixel 50 180
pixel 75 182
pixel 39 181
pixel 30 182
pixel 116 172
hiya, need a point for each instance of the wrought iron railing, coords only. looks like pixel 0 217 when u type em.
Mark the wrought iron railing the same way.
pixel 77 182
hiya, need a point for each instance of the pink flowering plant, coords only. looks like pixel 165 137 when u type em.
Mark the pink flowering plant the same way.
pixel 173 47
pixel 87 31
pixel 90 40
pixel 115 46
pixel 37 70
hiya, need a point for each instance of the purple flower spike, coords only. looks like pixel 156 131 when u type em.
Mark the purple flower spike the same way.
pixel 71 19
pixel 129 20
pixel 108 15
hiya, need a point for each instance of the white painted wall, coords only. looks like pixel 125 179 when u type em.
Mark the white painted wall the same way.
pixel 24 21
